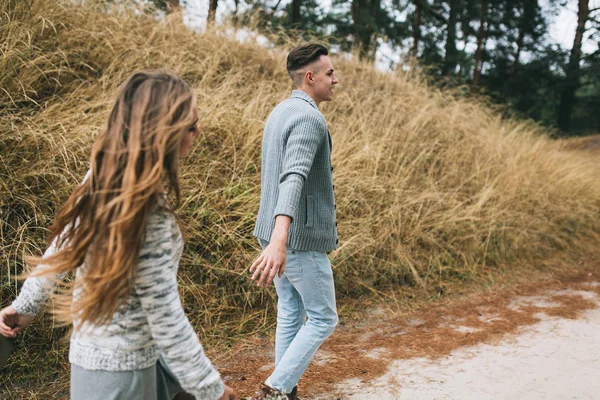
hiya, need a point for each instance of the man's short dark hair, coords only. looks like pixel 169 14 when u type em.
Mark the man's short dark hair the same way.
pixel 304 55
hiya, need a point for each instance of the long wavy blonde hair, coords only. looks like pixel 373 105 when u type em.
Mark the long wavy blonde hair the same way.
pixel 103 221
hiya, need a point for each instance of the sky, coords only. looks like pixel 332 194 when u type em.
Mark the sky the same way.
pixel 562 28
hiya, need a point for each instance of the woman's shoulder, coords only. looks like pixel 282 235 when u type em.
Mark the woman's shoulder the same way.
pixel 160 224
pixel 160 216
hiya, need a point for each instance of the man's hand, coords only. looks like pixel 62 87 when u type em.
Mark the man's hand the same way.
pixel 270 263
pixel 272 260
pixel 12 322
pixel 228 394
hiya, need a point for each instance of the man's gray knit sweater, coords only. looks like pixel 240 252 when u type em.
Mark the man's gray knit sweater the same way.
pixel 296 176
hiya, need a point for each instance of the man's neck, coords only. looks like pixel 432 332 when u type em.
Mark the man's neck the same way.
pixel 310 94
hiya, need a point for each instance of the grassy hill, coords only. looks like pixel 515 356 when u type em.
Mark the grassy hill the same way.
pixel 432 190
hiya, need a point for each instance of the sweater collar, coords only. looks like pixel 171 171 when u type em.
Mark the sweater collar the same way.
pixel 299 94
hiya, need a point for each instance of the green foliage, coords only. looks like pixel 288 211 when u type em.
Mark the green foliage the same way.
pixel 520 68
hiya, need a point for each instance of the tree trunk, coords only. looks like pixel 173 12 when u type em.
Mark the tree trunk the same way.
pixel 466 32
pixel 567 97
pixel 450 58
pixel 212 11
pixel 481 39
pixel 528 12
pixel 416 28
pixel 520 41
pixel 363 16
pixel 235 14
pixel 295 16
pixel 172 5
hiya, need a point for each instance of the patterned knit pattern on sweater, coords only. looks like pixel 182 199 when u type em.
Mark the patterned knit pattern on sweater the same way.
pixel 151 322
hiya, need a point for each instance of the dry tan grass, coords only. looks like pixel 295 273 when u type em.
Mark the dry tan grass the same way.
pixel 432 190
pixel 587 143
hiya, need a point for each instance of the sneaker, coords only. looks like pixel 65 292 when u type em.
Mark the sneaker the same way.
pixel 294 394
pixel 268 393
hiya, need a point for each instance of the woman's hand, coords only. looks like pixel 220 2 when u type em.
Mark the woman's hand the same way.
pixel 228 394
pixel 11 322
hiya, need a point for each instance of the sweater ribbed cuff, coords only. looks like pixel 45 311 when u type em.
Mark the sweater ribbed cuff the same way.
pixel 22 306
pixel 290 191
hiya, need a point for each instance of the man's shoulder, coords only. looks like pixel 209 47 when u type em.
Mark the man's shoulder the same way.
pixel 297 104
pixel 295 110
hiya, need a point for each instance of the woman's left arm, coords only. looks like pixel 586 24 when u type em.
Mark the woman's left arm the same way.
pixel 32 297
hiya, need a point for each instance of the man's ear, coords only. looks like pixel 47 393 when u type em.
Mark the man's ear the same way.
pixel 309 77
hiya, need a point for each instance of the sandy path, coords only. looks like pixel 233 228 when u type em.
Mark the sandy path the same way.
pixel 555 359
pixel 537 341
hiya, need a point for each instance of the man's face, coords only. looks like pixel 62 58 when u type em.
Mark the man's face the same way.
pixel 324 79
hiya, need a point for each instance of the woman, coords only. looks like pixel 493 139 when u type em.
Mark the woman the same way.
pixel 123 240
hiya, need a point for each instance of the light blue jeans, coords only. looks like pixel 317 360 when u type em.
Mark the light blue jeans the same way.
pixel 306 289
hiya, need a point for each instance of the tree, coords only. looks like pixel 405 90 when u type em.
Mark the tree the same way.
pixel 516 27
pixel 363 23
pixel 425 23
pixel 416 27
pixel 295 14
pixel 481 40
pixel 167 6
pixel 365 15
pixel 439 27
pixel 302 17
pixel 451 56
pixel 527 25
pixel 212 11
pixel 567 97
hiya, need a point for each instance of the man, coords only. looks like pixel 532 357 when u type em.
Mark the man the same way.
pixel 296 222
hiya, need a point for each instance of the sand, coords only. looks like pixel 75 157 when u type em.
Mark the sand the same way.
pixel 555 359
